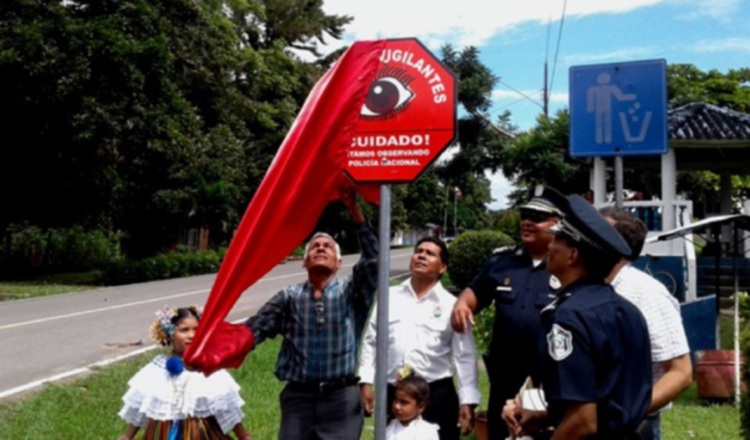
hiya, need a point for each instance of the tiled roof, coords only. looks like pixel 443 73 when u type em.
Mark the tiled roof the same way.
pixel 700 121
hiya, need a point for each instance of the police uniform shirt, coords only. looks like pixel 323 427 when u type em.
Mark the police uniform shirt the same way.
pixel 597 352
pixel 520 291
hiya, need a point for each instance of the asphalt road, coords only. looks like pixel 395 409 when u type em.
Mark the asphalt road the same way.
pixel 55 337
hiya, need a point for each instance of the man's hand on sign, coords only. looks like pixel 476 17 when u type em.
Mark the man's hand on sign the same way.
pixel 348 197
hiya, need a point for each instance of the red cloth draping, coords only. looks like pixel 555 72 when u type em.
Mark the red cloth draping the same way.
pixel 303 177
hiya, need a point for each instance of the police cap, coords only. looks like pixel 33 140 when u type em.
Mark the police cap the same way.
pixel 582 223
pixel 540 202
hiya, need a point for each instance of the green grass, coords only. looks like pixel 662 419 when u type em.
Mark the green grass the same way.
pixel 23 290
pixel 87 407
pixel 52 284
pixel 691 418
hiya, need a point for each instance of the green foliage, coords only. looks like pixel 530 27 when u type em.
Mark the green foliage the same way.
pixel 483 324
pixel 687 84
pixel 540 156
pixel 28 250
pixel 481 146
pixel 432 198
pixel 509 223
pixel 149 116
pixel 174 264
pixel 745 374
pixel 469 253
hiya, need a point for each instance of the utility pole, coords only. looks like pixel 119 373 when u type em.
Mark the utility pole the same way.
pixel 445 219
pixel 545 94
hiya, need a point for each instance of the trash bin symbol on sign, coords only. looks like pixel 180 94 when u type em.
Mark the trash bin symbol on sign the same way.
pixel 618 109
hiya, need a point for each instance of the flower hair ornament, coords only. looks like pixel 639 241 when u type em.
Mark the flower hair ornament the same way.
pixel 162 329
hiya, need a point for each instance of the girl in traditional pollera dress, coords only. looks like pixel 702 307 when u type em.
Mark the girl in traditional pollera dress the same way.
pixel 171 403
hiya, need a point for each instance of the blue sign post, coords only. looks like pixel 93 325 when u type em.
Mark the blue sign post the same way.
pixel 618 109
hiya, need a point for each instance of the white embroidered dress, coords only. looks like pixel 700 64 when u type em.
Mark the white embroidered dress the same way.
pixel 154 394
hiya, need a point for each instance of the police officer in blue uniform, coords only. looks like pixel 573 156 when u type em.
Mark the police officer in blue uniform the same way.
pixel 515 279
pixel 597 367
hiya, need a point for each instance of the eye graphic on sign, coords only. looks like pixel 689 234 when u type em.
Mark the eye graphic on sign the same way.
pixel 387 96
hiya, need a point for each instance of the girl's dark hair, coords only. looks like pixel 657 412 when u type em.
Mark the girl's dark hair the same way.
pixel 186 312
pixel 416 387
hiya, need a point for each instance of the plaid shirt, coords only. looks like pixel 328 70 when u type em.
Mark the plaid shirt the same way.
pixel 314 351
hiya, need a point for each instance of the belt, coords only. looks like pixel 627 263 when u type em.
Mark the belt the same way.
pixel 324 387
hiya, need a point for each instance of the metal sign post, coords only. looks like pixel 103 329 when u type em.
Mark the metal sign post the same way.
pixel 381 341
pixel 619 181
pixel 407 119
pixel 618 109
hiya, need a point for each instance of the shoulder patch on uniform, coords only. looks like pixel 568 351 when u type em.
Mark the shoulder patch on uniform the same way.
pixel 502 249
pixel 559 343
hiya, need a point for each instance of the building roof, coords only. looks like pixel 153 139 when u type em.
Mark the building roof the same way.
pixel 705 137
pixel 706 122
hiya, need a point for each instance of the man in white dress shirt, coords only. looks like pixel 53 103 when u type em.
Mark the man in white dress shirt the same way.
pixel 421 341
pixel 670 354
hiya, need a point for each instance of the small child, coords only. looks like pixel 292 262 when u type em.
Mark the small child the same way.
pixel 411 398
pixel 172 403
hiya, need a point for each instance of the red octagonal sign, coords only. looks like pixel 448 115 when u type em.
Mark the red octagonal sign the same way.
pixel 408 118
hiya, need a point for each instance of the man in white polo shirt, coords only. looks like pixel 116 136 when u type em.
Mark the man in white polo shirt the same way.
pixel 421 341
pixel 670 354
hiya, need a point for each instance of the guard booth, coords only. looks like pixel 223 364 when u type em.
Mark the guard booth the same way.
pixel 701 137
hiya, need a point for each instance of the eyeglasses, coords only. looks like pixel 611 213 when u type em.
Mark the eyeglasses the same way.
pixel 320 317
pixel 535 216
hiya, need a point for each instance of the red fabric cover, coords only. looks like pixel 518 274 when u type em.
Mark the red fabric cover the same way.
pixel 302 179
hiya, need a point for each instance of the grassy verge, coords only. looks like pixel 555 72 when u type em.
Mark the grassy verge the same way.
pixel 49 285
pixel 23 290
pixel 691 418
pixel 87 408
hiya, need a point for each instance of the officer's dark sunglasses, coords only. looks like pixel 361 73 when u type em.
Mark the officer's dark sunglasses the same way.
pixel 534 216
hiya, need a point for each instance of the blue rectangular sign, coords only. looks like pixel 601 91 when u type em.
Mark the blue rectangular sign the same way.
pixel 618 109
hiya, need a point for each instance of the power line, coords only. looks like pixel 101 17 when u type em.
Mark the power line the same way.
pixel 559 38
pixel 519 92
pixel 512 103
pixel 545 89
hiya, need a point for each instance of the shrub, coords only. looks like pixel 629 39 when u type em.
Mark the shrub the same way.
pixel 28 249
pixel 469 252
pixel 174 264
pixel 745 373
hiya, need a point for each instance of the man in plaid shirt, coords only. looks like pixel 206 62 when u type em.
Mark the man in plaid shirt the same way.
pixel 321 321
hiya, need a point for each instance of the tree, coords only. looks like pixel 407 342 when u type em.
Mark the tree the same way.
pixel 540 156
pixel 686 84
pixel 148 116
pixel 480 150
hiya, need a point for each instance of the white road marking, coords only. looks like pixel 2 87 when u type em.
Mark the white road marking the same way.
pixel 95 365
pixel 136 303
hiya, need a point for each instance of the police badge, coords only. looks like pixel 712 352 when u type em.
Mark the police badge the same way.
pixel 559 343
pixel 554 283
